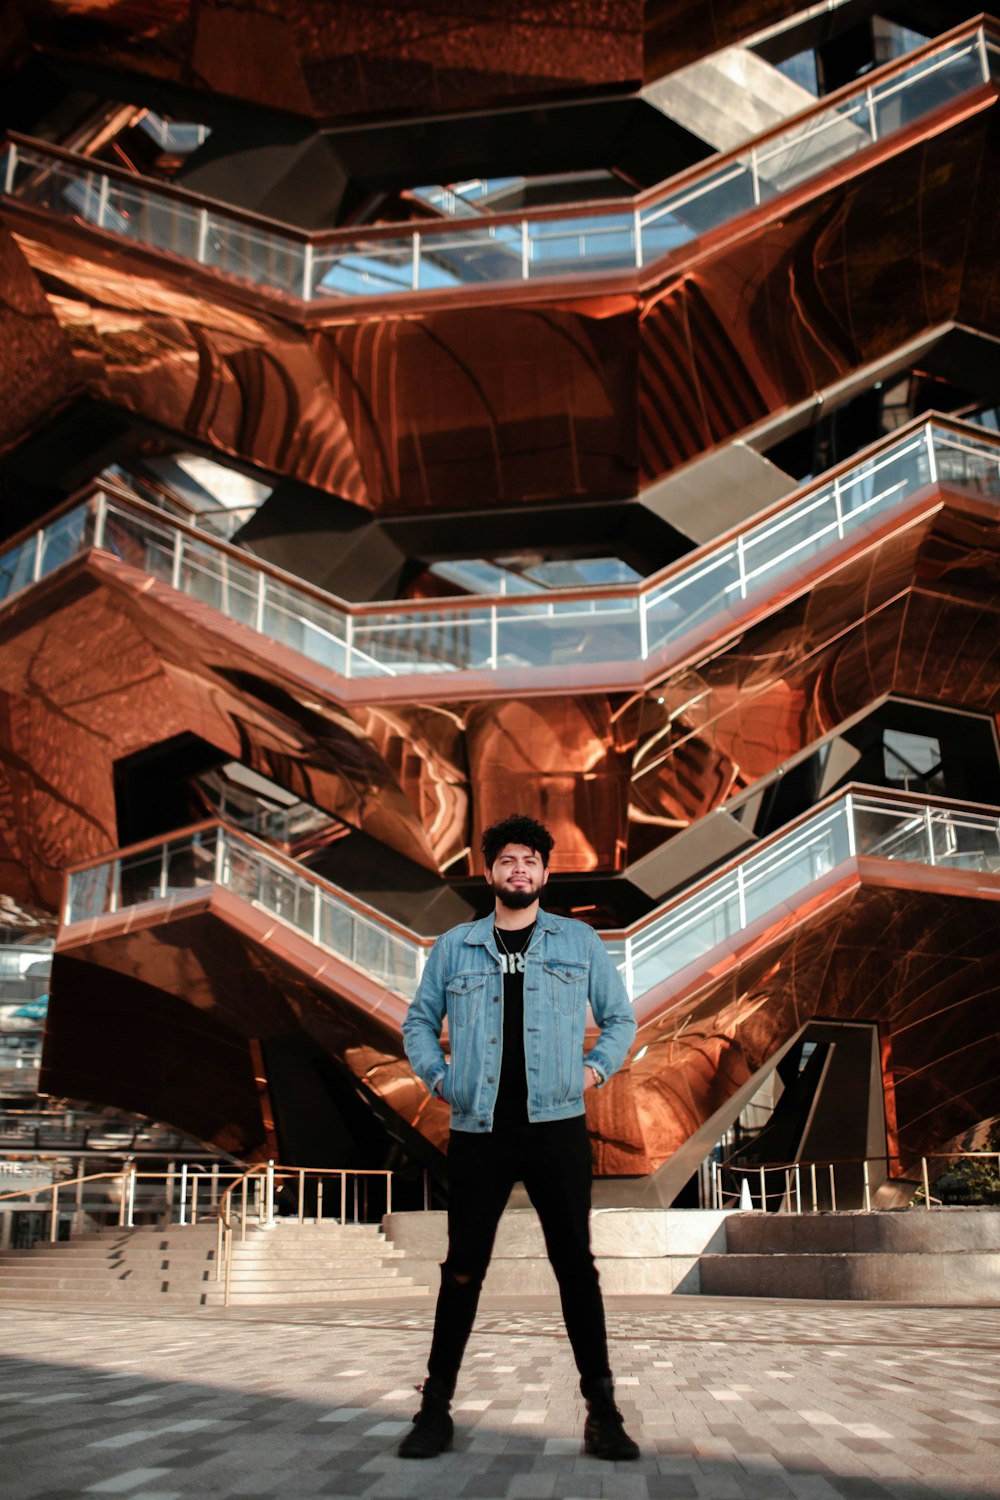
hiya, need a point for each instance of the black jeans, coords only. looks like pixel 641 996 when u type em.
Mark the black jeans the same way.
pixel 553 1161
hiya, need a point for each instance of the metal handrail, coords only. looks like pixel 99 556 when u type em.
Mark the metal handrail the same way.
pixel 128 1177
pixel 709 589
pixel 270 1177
pixel 792 1173
pixel 311 250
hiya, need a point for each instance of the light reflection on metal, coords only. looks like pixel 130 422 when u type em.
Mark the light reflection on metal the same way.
pixel 723 976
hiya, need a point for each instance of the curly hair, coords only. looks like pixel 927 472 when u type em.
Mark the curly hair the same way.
pixel 517 829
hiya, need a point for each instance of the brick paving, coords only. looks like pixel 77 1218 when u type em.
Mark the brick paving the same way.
pixel 730 1400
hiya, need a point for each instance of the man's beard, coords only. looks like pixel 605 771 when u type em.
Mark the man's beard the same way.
pixel 516 900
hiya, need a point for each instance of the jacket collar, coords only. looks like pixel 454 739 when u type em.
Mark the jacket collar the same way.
pixel 481 932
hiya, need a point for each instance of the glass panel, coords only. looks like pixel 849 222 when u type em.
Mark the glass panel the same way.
pixel 429 641
pixel 64 538
pixel 483 253
pixel 557 246
pixel 17 568
pixel 336 929
pixel 90 892
pixel 806 149
pixel 795 862
pixel 926 86
pixel 365 269
pixel 691 598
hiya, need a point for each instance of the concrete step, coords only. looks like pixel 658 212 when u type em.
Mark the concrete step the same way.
pixel 215 1297
pixel 859 1232
pixel 923 1277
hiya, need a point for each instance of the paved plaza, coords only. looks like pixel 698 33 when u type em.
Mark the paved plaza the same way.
pixel 729 1399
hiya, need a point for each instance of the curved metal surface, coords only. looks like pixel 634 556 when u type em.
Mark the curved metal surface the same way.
pixel 558 394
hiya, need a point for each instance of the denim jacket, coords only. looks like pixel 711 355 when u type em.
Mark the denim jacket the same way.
pixel 566 964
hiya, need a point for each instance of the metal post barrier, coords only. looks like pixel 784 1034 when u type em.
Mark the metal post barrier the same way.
pixel 194 1198
pixel 270 1192
pixel 343 1198
pixel 302 1195
pixel 54 1215
pixel 243 1212
pixel 130 1219
pixel 927 1184
pixel 121 1201
pixel 182 1218
pixel 763 1192
pixel 218 1247
pixel 833 1189
pixel 319 1199
pixel 812 1178
pixel 868 1187
pixel 787 1199
pixel 798 1190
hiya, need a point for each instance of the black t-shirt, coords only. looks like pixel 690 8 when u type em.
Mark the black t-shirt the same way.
pixel 512 1095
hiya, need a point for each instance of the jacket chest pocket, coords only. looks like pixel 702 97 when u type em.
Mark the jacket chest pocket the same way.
pixel 464 999
pixel 566 985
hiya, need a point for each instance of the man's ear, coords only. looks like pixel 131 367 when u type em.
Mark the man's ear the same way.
pixel 545 876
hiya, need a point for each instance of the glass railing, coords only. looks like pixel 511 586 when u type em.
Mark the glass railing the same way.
pixel 685 931
pixel 673 610
pixel 613 237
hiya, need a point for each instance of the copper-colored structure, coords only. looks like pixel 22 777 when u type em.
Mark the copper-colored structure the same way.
pixel 660 504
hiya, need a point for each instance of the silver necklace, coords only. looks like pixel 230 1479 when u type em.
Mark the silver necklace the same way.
pixel 511 953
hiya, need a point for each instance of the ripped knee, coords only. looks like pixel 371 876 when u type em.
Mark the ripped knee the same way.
pixel 461 1278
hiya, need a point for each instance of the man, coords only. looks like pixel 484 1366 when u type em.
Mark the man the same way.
pixel 515 987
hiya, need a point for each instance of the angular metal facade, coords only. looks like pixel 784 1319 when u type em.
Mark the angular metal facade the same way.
pixel 417 387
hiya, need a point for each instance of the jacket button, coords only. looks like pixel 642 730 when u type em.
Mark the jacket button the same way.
pixel 489 1080
pixel 496 999
pixel 494 1040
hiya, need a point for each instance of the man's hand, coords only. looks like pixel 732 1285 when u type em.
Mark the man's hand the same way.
pixel 591 1077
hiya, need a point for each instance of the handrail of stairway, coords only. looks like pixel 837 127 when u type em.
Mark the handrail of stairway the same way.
pixel 790 1193
pixel 826 832
pixel 268 1177
pixel 739 563
pixel 128 1177
pixel 978 29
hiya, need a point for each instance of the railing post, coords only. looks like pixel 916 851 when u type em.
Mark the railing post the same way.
pixel 54 1215
pixel 741 898
pixel 102 201
pixel 872 118
pixel 116 885
pixel 525 250
pixel 932 467
pixel 812 1177
pixel 36 566
pixel 8 181
pixel 852 847
pixel 643 629
pixel 319 1198
pixel 754 175
pixel 637 237
pixel 838 505
pixel 176 561
pixel 348 644
pixel 261 601
pixel 833 1188
pixel 763 1191
pixel 194 1197
pixel 122 1190
pixel 867 1185
pixel 307 272
pixel 182 1219
pixel 415 261
pixel 714 1178
pixel 302 1195
pixel 218 873
pixel 929 829
pixel 343 1199
pixel 100 518
pixel 388 1192
pixel 164 883
pixel 984 59
pixel 927 1183
pixel 130 1216
pixel 494 637
pixel 798 1189
pixel 270 1191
